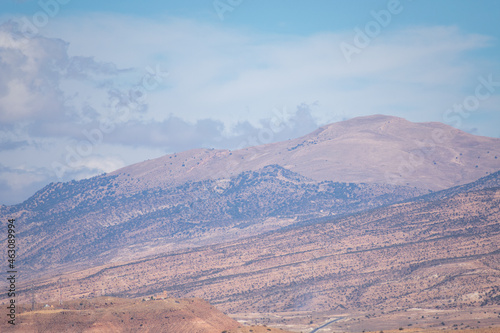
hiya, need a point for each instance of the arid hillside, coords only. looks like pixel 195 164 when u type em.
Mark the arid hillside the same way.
pixel 85 223
pixel 440 254
pixel 111 314
pixel 337 222
pixel 373 149
pixel 204 197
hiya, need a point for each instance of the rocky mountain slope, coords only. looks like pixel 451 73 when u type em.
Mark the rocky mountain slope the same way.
pixel 439 254
pixel 341 220
pixel 203 197
pixel 490 181
pixel 88 223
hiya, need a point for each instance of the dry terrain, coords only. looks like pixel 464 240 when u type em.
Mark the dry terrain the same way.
pixel 479 319
pixel 437 255
pixel 203 197
pixel 372 149
pixel 417 330
pixel 344 227
pixel 111 314
pixel 84 224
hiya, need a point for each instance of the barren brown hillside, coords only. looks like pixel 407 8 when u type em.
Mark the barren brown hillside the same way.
pixel 111 314
pixel 373 149
pixel 249 234
pixel 206 197
pixel 440 255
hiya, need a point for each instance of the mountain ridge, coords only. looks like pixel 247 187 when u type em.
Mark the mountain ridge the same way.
pixel 373 149
pixel 196 197
pixel 445 249
pixel 112 314
pixel 250 236
pixel 88 219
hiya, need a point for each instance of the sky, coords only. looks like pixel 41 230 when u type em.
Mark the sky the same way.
pixel 88 87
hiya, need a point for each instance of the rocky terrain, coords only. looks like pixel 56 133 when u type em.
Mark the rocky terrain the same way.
pixel 84 223
pixel 203 197
pixel 437 254
pixel 361 221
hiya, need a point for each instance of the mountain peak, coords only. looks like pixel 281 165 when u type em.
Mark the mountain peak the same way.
pixel 370 149
pixel 371 120
pixel 374 122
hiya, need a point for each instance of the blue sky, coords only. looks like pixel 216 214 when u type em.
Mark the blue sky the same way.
pixel 87 87
pixel 300 17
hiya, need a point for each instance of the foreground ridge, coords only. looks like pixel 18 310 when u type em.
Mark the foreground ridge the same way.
pixel 112 314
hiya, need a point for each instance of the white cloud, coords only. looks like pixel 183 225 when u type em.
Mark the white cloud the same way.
pixel 28 88
pixel 238 76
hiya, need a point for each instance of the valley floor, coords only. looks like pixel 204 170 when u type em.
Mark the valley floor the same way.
pixel 111 314
pixel 479 319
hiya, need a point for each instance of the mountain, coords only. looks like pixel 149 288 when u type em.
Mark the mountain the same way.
pixel 203 197
pixel 442 253
pixel 359 216
pixel 490 181
pixel 373 149
pixel 86 222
